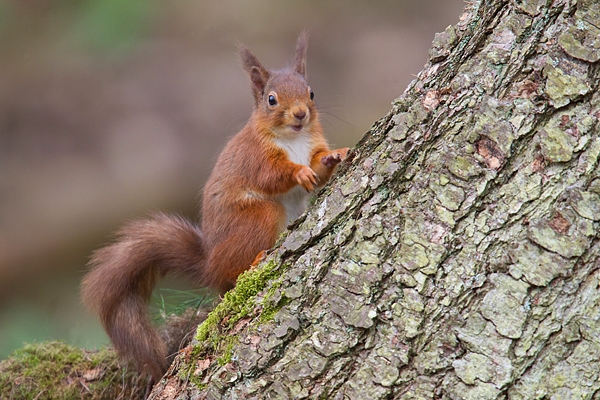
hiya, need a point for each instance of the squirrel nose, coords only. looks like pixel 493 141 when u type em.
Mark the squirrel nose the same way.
pixel 300 114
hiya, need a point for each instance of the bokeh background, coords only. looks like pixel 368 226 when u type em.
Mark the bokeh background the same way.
pixel 112 108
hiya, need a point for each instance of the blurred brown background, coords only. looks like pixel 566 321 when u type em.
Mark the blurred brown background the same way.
pixel 111 108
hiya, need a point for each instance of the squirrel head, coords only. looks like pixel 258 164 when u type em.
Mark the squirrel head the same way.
pixel 282 99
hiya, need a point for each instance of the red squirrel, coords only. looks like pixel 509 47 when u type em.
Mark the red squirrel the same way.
pixel 261 182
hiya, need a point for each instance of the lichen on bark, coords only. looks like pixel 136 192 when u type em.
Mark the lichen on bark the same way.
pixel 456 253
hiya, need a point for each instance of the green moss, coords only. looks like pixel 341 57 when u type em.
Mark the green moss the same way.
pixel 237 303
pixel 214 336
pixel 227 349
pixel 269 311
pixel 55 370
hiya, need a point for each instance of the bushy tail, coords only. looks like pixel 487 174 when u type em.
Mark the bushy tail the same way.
pixel 123 275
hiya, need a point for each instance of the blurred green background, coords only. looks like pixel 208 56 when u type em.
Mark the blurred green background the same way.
pixel 111 108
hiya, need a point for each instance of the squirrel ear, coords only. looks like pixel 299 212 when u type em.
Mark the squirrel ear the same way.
pixel 259 75
pixel 259 79
pixel 301 48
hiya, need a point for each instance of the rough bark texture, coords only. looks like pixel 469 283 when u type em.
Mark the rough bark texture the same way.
pixel 456 254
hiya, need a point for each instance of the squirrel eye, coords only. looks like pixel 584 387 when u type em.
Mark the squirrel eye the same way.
pixel 312 94
pixel 272 100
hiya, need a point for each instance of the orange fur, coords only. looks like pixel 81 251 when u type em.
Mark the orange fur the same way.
pixel 259 182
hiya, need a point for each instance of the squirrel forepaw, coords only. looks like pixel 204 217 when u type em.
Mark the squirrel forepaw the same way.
pixel 307 178
pixel 334 157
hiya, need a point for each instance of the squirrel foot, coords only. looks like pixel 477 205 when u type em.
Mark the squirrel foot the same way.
pixel 258 259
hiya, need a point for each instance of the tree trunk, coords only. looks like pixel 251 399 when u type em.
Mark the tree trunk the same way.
pixel 456 253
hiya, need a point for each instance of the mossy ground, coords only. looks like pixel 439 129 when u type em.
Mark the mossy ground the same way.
pixel 55 370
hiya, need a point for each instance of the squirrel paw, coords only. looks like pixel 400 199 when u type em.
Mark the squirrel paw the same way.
pixel 258 259
pixel 334 157
pixel 307 178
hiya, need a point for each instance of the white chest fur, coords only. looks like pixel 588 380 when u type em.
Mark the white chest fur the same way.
pixel 298 148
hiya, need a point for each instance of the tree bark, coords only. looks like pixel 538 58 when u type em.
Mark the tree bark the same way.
pixel 455 254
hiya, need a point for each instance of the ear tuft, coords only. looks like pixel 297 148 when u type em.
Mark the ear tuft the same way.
pixel 301 50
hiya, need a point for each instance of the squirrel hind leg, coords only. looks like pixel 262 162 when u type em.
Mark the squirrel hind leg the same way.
pixel 256 231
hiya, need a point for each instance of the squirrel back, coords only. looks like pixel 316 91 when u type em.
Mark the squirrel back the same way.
pixel 261 181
